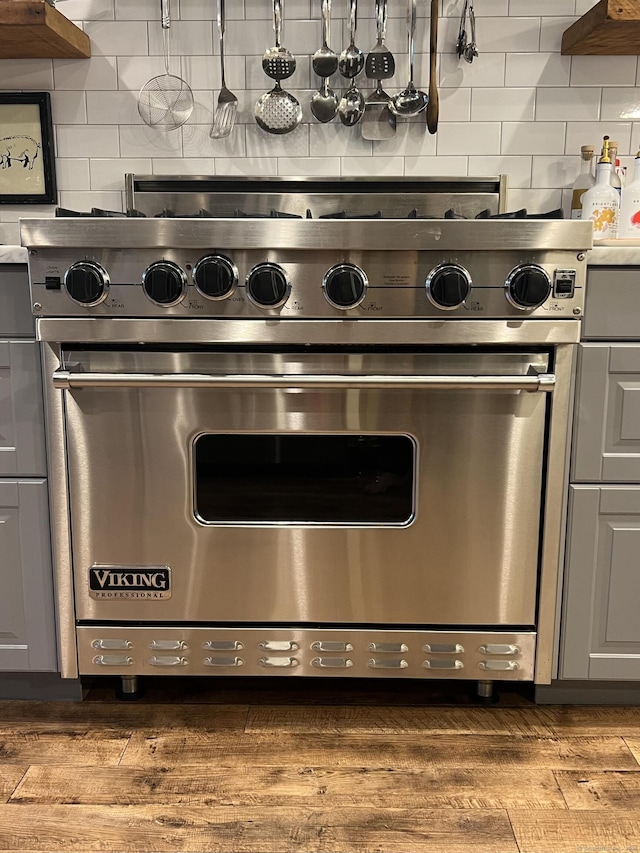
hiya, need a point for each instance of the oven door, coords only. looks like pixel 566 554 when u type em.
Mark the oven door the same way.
pixel 331 488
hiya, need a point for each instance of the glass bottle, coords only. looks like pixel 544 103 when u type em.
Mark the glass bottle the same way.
pixel 583 182
pixel 630 205
pixel 601 203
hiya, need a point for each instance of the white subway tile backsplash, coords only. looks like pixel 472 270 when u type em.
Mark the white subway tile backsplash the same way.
pixel 109 174
pixel 72 174
pixel 591 133
pixel 532 137
pixel 69 107
pixel 603 70
pixel 620 104
pixel 537 69
pixel 517 169
pixel 468 138
pixel 128 37
pixel 18 74
pixel 99 72
pixel 520 108
pixel 87 141
pixel 454 72
pixel 10 233
pixel 503 104
pixel 568 104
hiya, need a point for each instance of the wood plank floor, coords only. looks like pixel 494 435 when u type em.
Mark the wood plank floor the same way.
pixel 246 768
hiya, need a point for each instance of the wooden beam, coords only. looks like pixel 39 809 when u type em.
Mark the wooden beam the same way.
pixel 611 27
pixel 34 28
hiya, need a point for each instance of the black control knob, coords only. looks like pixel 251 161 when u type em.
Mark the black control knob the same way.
pixel 216 276
pixel 448 285
pixel 164 283
pixel 268 285
pixel 527 286
pixel 345 286
pixel 86 282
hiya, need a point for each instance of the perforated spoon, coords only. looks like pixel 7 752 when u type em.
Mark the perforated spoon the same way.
pixel 380 64
pixel 277 62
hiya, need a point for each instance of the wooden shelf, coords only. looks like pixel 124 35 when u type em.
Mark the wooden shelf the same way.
pixel 33 28
pixel 612 27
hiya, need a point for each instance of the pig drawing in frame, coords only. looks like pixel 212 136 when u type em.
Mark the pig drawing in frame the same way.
pixel 23 149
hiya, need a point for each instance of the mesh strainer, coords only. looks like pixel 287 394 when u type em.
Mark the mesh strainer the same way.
pixel 166 101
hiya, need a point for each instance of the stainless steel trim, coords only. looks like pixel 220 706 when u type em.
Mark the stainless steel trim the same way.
pixel 499 649
pixel 222 646
pixel 331 663
pixel 429 279
pixel 60 523
pixel 345 332
pixel 331 646
pixel 387 663
pixel 112 645
pixel 66 380
pixel 278 646
pixel 278 663
pixel 443 648
pixel 555 512
pixel 168 660
pixel 441 663
pixel 397 648
pixel 222 661
pixel 113 660
pixel 498 665
pixel 357 234
pixel 167 645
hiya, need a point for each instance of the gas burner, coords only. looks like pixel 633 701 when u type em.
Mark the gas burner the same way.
pixel 167 213
pixel 98 213
pixel 273 214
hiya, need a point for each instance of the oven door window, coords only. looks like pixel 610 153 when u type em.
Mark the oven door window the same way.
pixel 305 479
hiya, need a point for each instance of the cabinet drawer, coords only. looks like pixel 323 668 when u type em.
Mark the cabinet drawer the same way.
pixel 16 319
pixel 27 633
pixel 600 626
pixel 612 304
pixel 22 449
pixel 606 444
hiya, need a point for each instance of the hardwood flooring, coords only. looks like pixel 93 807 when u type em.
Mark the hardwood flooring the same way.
pixel 255 768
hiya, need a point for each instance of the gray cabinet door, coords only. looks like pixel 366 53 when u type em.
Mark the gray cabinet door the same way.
pixel 27 631
pixel 22 450
pixel 607 426
pixel 601 622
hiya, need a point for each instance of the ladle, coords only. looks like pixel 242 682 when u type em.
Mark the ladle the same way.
pixel 352 58
pixel 410 101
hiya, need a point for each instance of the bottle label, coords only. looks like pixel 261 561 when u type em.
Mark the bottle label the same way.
pixel 630 217
pixel 604 217
pixel 576 203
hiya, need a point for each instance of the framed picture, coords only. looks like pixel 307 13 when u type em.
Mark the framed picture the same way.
pixel 27 160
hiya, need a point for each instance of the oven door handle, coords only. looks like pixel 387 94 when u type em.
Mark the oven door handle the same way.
pixel 65 380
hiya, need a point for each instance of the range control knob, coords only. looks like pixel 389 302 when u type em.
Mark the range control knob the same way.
pixel 345 286
pixel 86 282
pixel 216 276
pixel 448 285
pixel 527 286
pixel 164 283
pixel 268 286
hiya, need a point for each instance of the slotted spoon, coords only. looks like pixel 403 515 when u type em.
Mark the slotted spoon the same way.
pixel 225 114
pixel 166 101
pixel 380 63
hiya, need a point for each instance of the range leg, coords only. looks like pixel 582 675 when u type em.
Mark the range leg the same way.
pixel 485 691
pixel 130 688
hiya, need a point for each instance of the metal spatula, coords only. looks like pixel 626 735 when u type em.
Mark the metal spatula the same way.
pixel 380 63
pixel 225 114
pixel 378 122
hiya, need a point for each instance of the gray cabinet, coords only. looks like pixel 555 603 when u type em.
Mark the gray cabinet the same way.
pixel 602 605
pixel 27 628
pixel 27 623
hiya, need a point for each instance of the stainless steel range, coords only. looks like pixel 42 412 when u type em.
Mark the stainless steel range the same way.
pixel 308 428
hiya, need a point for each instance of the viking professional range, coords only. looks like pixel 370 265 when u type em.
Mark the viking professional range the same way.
pixel 308 428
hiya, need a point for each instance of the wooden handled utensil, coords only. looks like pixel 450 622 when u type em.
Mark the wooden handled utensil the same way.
pixel 433 106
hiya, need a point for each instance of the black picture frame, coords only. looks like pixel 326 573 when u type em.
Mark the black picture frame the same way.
pixel 27 153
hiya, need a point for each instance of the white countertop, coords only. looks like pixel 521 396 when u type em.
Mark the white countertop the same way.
pixel 620 253
pixel 13 255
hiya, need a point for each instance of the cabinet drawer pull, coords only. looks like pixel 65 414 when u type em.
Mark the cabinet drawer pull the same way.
pixel 499 665
pixel 220 661
pixel 499 649
pixel 113 660
pixel 167 645
pixel 112 645
pixel 378 663
pixel 168 660
pixel 443 664
pixel 278 662
pixel 278 646
pixel 331 663
pixel 399 648
pixel 222 645
pixel 331 646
